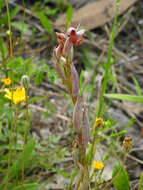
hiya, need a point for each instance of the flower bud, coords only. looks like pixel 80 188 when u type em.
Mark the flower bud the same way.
pixel 61 37
pixel 67 49
pixel 77 114
pixel 75 81
pixel 127 143
pixel 25 81
pixel 86 128
pixel 57 66
pixel 99 122
pixel 8 32
pixel 75 153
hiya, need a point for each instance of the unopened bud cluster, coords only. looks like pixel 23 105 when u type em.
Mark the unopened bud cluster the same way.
pixel 127 144
pixel 99 122
pixel 25 81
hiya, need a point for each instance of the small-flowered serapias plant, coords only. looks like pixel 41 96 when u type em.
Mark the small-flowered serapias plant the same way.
pixel 64 66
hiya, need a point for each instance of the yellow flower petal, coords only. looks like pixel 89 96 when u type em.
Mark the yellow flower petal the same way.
pixel 7 81
pixel 99 122
pixel 98 165
pixel 19 95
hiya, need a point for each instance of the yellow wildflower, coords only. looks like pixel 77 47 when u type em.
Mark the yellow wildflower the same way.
pixel 98 165
pixel 7 81
pixel 18 95
pixel 99 122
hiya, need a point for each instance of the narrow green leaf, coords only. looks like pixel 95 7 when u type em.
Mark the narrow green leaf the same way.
pixel 36 99
pixel 47 166
pixel 0 127
pixel 14 12
pixel 19 26
pixel 138 88
pixel 120 177
pixel 81 82
pixel 45 22
pixel 2 49
pixel 28 66
pixel 39 77
pixel 141 182
pixel 27 154
pixel 69 16
pixel 6 147
pixel 1 4
pixel 119 1
pixel 119 133
pixel 17 165
pixel 108 65
pixel 131 98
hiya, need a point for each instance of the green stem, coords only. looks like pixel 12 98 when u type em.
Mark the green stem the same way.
pixel 9 156
pixel 15 132
pixel 93 146
pixel 9 26
pixel 3 65
pixel 12 106
pixel 2 48
pixel 24 140
pixel 91 177
pixel 79 181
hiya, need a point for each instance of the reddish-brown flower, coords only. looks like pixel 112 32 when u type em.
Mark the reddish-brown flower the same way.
pixel 75 35
pixel 62 37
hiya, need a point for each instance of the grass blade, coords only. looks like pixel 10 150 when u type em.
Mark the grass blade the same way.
pixel 108 65
pixel 138 88
pixel 127 97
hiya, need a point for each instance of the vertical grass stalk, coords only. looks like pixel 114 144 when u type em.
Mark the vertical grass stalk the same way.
pixel 108 64
pixel 23 19
pixel 93 146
